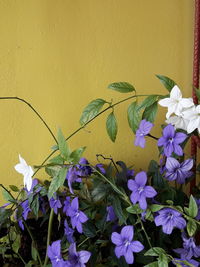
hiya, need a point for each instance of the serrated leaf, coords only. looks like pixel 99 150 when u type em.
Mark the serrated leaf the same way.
pixel 148 101
pixel 57 182
pixel 62 144
pixel 91 110
pixel 150 112
pixel 76 154
pixel 155 251
pixel 52 171
pixel 191 227
pixel 122 87
pixel 111 126
pixel 14 188
pixel 4 215
pixel 193 208
pixel 133 116
pixel 57 160
pixel 167 82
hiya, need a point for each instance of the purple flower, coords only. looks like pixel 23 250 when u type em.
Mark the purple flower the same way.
pixel 83 171
pixel 77 217
pixel 54 254
pixel 140 191
pixel 178 171
pixel 171 140
pixel 100 168
pixel 72 176
pixel 124 244
pixel 198 205
pixel 169 219
pixel 110 214
pixel 26 209
pixel 55 204
pixel 189 249
pixel 21 225
pixel 142 131
pixel 69 232
pixel 66 205
pixel 78 259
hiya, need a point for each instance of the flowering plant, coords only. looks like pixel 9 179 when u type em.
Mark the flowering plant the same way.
pixel 93 215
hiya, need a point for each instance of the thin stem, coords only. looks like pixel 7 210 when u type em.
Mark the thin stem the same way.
pixel 156 138
pixel 83 126
pixel 143 229
pixel 21 258
pixel 7 190
pixel 32 238
pixel 34 110
pixel 49 235
pixel 111 159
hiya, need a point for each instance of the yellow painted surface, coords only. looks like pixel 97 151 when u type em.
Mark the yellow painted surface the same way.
pixel 61 54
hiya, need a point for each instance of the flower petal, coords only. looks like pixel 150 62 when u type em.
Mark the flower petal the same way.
pixel 84 256
pixel 166 102
pixel 141 178
pixel 129 256
pixel 140 141
pixel 187 165
pixel 143 202
pixel 132 185
pixel 171 164
pixel 150 191
pixel 136 246
pixel 127 232
pixel 169 131
pixel 116 239
pixel 175 93
pixel 180 138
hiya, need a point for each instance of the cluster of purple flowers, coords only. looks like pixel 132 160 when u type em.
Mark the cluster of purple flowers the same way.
pixel 75 258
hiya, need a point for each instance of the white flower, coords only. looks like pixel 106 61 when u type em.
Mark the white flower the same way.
pixel 175 102
pixel 193 115
pixel 179 122
pixel 26 171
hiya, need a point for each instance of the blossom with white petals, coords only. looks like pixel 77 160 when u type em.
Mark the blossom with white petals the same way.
pixel 179 122
pixel 193 115
pixel 175 102
pixel 23 168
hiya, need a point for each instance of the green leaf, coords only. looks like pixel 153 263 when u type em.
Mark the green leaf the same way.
pixel 191 227
pixel 133 116
pixel 16 243
pixel 14 188
pixel 100 191
pixel 150 112
pixel 52 171
pixel 91 110
pixel 155 251
pixel 193 209
pixel 62 144
pixel 118 209
pixel 7 196
pixel 152 264
pixel 57 160
pixel 35 205
pixel 134 209
pixel 89 229
pixel 76 154
pixel 167 82
pixel 122 87
pixel 34 252
pixel 111 126
pixel 57 182
pixel 4 215
pixel 156 207
pixel 162 260
pixel 148 101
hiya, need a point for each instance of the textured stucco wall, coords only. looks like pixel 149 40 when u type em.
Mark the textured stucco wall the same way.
pixel 61 54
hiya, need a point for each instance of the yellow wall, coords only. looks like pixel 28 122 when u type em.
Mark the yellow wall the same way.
pixel 61 54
